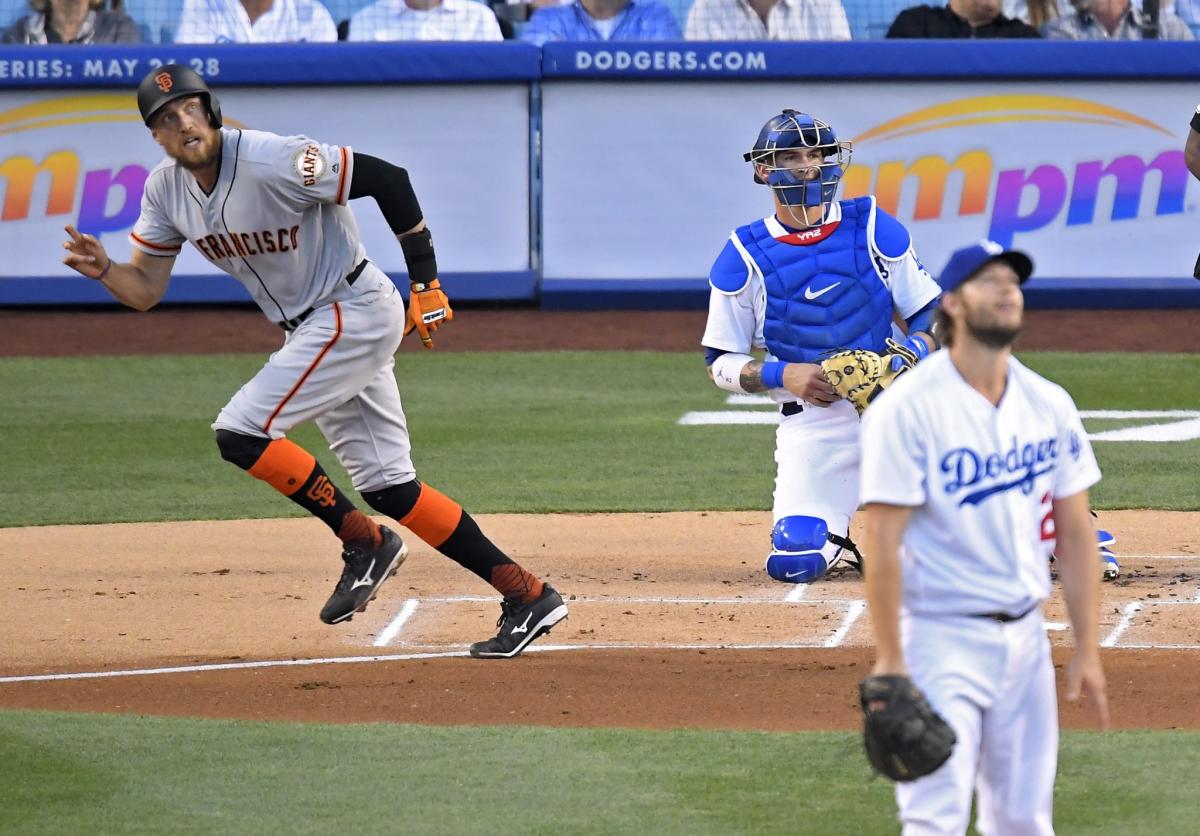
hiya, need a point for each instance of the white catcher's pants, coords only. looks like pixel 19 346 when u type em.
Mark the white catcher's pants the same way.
pixel 817 460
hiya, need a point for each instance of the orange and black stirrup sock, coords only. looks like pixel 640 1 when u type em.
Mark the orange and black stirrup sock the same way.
pixel 292 470
pixel 442 523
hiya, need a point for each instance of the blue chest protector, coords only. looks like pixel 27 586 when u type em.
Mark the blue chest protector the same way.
pixel 822 296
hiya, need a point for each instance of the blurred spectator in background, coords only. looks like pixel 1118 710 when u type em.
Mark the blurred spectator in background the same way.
pixel 603 20
pixel 1037 13
pixel 1113 20
pixel 959 19
pixel 514 13
pixel 72 22
pixel 767 20
pixel 254 22
pixel 425 20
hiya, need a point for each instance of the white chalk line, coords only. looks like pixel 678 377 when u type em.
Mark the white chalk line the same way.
pixel 396 624
pixel 796 594
pixel 855 608
pixel 621 599
pixel 1127 614
pixel 852 615
pixel 391 657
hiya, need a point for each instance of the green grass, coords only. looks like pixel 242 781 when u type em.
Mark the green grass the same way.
pixel 89 440
pixel 67 773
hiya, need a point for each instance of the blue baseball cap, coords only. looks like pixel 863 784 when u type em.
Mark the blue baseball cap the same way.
pixel 964 263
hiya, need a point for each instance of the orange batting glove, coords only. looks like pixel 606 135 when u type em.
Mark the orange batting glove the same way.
pixel 428 307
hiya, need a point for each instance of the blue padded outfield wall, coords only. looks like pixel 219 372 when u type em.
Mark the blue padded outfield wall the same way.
pixel 610 175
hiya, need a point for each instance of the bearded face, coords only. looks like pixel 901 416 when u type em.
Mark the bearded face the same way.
pixel 991 307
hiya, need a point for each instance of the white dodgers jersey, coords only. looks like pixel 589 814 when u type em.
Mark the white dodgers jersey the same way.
pixel 981 479
pixel 276 220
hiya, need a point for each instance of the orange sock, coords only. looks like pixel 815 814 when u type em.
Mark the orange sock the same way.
pixel 514 582
pixel 434 516
pixel 357 527
pixel 442 523
pixel 292 470
pixel 284 465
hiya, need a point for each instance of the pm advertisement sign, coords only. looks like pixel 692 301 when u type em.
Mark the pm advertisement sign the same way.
pixel 645 181
pixel 80 157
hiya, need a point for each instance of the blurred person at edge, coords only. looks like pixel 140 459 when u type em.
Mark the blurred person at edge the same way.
pixel 1113 20
pixel 254 22
pixel 767 20
pixel 425 20
pixel 959 19
pixel 72 22
pixel 1037 13
pixel 603 20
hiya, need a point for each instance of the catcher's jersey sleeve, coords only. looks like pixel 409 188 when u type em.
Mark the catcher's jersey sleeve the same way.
pixel 155 233
pixel 735 319
pixel 309 172
pixel 911 285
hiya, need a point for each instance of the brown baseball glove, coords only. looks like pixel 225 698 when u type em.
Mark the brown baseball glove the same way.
pixel 904 737
pixel 860 376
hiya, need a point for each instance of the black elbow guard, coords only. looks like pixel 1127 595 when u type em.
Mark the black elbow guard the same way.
pixel 418 255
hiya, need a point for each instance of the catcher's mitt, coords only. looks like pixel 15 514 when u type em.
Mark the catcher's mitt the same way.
pixel 860 376
pixel 904 737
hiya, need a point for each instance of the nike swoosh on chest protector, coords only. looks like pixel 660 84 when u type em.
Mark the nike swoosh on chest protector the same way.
pixel 810 294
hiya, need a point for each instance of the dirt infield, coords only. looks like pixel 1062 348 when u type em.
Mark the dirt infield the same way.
pixel 673 623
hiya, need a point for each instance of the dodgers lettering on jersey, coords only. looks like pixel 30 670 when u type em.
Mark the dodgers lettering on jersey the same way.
pixel 967 469
pixel 981 480
pixel 276 218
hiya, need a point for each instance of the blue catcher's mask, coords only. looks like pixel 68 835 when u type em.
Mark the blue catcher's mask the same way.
pixel 792 129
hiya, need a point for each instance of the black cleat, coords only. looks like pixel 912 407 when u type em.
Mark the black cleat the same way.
pixel 520 624
pixel 366 570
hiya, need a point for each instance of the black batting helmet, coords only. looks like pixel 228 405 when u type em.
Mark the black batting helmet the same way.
pixel 170 82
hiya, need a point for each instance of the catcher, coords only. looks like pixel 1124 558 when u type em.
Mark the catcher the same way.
pixel 815 277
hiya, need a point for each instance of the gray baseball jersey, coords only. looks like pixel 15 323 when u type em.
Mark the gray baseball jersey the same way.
pixel 277 221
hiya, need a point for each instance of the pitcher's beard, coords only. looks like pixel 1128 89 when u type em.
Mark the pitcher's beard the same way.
pixel 992 336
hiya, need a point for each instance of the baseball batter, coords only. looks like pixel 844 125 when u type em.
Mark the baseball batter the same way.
pixel 974 469
pixel 815 276
pixel 272 212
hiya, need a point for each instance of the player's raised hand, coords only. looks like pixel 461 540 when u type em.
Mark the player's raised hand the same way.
pixel 807 381
pixel 85 254
pixel 1085 677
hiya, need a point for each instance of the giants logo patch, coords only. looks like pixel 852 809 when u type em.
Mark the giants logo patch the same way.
pixel 164 82
pixel 309 164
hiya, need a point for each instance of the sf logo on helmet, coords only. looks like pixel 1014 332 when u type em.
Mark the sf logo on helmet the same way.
pixel 164 82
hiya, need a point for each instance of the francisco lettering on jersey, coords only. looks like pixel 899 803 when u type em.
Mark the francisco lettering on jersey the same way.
pixel 219 245
pixel 968 468
pixel 309 164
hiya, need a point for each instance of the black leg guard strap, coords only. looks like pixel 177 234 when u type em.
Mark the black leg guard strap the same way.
pixel 242 450
pixel 395 501
pixel 848 544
